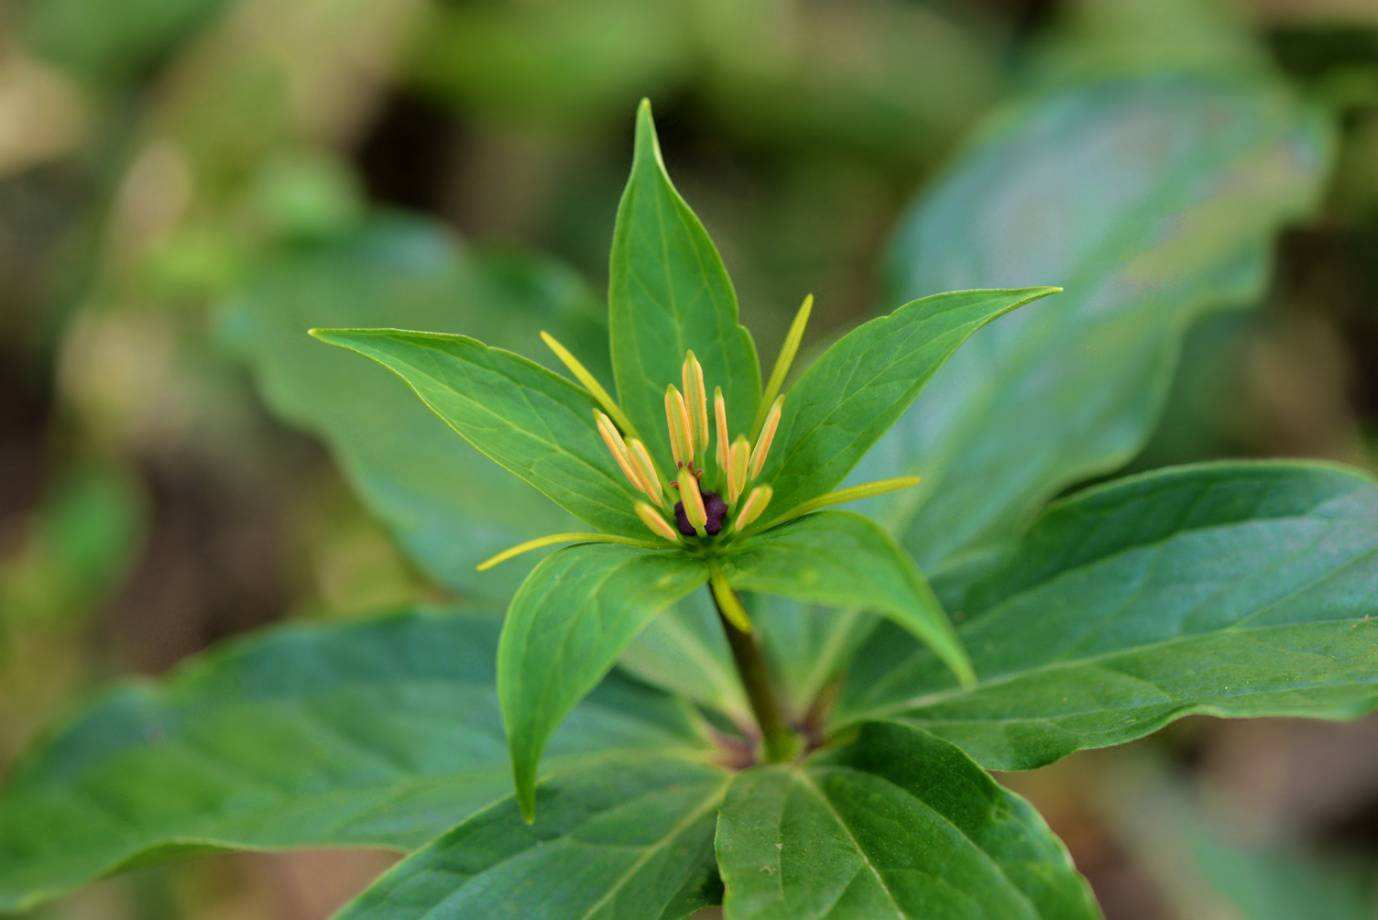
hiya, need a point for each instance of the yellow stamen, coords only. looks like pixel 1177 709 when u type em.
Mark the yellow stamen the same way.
pixel 554 538
pixel 657 524
pixel 618 450
pixel 850 494
pixel 785 359
pixel 758 456
pixel 646 469
pixel 681 431
pixel 753 506
pixel 720 416
pixel 692 500
pixel 589 382
pixel 696 398
pixel 728 602
pixel 737 461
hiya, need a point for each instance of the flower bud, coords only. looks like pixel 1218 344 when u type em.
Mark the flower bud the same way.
pixel 753 506
pixel 720 416
pixel 737 460
pixel 696 398
pixel 758 456
pixel 657 524
pixel 608 431
pixel 681 430
pixel 692 500
pixel 645 469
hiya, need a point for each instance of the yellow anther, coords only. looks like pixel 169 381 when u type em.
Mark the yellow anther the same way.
pixel 692 500
pixel 696 399
pixel 613 439
pixel 738 458
pixel 720 416
pixel 753 506
pixel 758 456
pixel 646 469
pixel 681 431
pixel 657 524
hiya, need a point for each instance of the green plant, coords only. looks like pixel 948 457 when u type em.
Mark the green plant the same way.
pixel 1234 589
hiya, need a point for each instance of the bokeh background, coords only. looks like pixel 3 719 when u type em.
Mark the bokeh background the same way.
pixel 169 167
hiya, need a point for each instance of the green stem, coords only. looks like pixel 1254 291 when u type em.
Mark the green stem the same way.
pixel 777 738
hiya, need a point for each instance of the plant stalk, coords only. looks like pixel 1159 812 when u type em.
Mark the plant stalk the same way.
pixel 778 740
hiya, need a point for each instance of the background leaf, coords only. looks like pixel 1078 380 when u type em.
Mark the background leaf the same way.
pixel 449 506
pixel 897 823
pixel 534 423
pixel 383 732
pixel 1227 589
pixel 632 838
pixel 1153 200
pixel 685 651
pixel 569 621
pixel 855 390
pixel 669 292
pixel 840 559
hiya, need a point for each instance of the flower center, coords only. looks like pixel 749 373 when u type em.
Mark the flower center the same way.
pixel 727 470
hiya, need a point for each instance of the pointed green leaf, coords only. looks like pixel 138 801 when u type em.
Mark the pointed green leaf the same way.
pixel 896 824
pixel 841 559
pixel 668 292
pixel 1223 589
pixel 632 838
pixel 572 617
pixel 448 505
pixel 380 732
pixel 532 422
pixel 857 389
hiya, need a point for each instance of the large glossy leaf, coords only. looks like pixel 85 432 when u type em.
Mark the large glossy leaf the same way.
pixel 530 421
pixel 449 506
pixel 572 617
pixel 1229 590
pixel 669 292
pixel 841 559
pixel 633 838
pixel 856 390
pixel 1151 200
pixel 896 824
pixel 383 732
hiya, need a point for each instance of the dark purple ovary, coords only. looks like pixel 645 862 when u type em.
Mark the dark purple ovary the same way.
pixel 715 508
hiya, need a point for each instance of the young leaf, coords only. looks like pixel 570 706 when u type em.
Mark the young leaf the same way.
pixel 857 389
pixel 896 824
pixel 628 838
pixel 448 505
pixel 572 617
pixel 668 292
pixel 535 424
pixel 1224 589
pixel 841 559
pixel 380 732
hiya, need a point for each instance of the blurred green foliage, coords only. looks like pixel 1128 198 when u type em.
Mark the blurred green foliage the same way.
pixel 187 184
